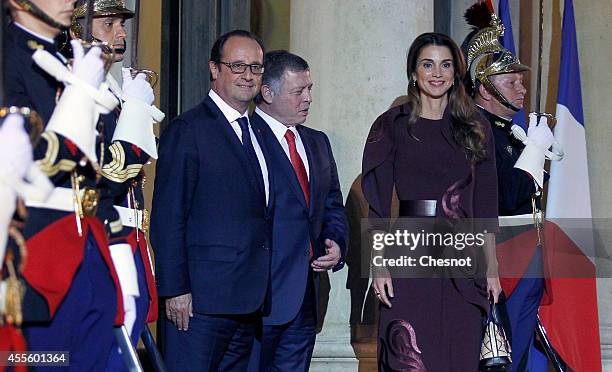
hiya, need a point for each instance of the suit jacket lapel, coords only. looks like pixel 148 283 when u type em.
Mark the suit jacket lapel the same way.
pixel 265 149
pixel 228 132
pixel 313 166
pixel 279 157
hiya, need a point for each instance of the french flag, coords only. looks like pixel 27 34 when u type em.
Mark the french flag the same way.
pixel 571 319
pixel 508 43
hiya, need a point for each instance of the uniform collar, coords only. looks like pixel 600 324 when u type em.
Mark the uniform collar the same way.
pixel 497 121
pixel 30 40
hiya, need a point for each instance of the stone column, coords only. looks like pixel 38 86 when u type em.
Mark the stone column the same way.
pixel 357 54
pixel 594 40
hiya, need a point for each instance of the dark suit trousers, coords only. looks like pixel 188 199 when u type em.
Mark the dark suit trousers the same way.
pixel 211 343
pixel 287 347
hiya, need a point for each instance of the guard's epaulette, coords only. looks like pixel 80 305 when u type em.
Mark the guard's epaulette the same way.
pixel 32 44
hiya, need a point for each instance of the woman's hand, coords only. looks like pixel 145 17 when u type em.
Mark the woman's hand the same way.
pixel 383 287
pixel 494 288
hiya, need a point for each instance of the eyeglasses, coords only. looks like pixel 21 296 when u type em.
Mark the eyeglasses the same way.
pixel 240 68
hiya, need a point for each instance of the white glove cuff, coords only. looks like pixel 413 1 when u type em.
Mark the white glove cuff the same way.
pixel 123 259
pixel 135 125
pixel 75 118
pixel 532 161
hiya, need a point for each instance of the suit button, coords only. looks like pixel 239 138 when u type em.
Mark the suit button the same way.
pixel 264 247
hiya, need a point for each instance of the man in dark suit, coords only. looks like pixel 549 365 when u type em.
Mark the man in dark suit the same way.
pixel 310 227
pixel 211 219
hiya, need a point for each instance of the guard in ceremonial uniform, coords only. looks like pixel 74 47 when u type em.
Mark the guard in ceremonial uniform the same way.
pixel 129 143
pixel 496 82
pixel 71 300
pixel 19 178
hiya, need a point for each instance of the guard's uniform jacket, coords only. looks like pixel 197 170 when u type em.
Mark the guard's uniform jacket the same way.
pixel 515 186
pixel 121 188
pixel 55 249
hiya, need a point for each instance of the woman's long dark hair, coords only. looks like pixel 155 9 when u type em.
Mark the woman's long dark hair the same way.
pixel 467 129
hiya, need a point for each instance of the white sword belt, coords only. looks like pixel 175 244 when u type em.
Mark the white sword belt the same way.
pixel 62 199
pixel 131 217
pixel 518 220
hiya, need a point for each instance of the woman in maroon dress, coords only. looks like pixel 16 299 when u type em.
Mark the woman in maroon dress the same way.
pixel 437 155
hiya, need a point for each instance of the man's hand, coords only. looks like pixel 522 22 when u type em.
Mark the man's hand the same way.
pixel 330 260
pixel 179 310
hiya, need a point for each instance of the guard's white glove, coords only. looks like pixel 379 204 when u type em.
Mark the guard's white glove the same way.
pixel 75 115
pixel 15 146
pixel 123 259
pixel 17 170
pixel 15 158
pixel 135 124
pixel 87 67
pixel 136 88
pixel 540 134
pixel 539 140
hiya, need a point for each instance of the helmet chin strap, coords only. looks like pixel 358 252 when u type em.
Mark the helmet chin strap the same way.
pixel 123 49
pixel 31 8
pixel 507 104
pixel 498 95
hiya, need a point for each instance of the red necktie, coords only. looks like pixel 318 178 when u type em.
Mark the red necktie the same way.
pixel 300 171
pixel 298 165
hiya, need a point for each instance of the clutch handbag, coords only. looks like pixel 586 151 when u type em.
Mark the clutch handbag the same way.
pixel 495 349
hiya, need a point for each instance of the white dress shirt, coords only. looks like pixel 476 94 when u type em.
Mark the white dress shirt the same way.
pixel 279 129
pixel 232 117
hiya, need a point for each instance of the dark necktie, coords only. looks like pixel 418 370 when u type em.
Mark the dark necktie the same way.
pixel 300 172
pixel 247 144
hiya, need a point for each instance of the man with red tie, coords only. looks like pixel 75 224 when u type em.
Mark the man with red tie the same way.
pixel 309 227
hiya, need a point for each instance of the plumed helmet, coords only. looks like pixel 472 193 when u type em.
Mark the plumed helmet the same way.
pixel 484 54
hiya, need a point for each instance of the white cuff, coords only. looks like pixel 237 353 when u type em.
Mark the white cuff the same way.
pixel 123 259
pixel 75 117
pixel 135 125
pixel 532 161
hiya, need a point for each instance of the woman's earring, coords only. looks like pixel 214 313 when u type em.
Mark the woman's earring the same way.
pixel 414 83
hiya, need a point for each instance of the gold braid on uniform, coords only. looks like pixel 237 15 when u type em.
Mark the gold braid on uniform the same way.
pixel 117 170
pixel 15 289
pixel 49 164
